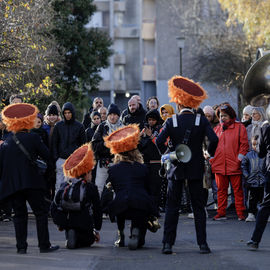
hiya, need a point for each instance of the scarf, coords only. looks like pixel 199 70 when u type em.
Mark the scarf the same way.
pixel 226 124
pixel 114 127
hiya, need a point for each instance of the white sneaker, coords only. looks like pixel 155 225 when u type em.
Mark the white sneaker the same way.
pixel 250 218
pixel 190 215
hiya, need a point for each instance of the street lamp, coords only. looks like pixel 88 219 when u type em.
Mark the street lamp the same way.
pixel 180 45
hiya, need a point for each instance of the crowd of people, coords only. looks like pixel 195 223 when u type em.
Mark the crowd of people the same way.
pixel 111 164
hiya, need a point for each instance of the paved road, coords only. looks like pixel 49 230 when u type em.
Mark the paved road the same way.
pixel 226 239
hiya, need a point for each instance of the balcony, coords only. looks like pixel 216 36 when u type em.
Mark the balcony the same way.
pixel 148 73
pixel 126 32
pixel 104 6
pixel 118 85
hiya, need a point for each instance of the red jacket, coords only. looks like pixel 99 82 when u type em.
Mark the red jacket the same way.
pixel 232 142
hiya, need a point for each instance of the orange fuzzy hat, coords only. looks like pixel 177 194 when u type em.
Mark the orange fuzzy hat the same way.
pixel 19 116
pixel 81 161
pixel 123 139
pixel 186 92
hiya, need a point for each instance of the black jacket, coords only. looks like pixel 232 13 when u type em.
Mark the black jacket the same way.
pixel 16 171
pixel 130 184
pixel 252 168
pixel 100 150
pixel 87 119
pixel 88 218
pixel 137 117
pixel 67 135
pixel 90 131
pixel 194 169
pixel 264 146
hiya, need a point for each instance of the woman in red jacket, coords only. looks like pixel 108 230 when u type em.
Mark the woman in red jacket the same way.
pixel 226 164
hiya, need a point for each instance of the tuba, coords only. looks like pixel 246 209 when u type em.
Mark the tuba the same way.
pixel 256 87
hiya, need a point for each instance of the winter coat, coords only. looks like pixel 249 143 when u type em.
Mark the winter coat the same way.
pixel 67 135
pixel 100 150
pixel 264 146
pixel 137 117
pixel 88 218
pixel 43 134
pixel 90 131
pixel 130 184
pixel 232 142
pixel 252 168
pixel 193 169
pixel 87 118
pixel 16 171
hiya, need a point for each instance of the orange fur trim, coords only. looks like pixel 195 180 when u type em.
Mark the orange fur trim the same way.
pixel 19 116
pixel 81 161
pixel 186 92
pixel 124 139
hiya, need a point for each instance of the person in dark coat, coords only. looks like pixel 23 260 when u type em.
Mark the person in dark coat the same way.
pixel 19 178
pixel 136 113
pixel 186 128
pixel 151 154
pixel 68 135
pixel 264 208
pixel 38 129
pixel 5 207
pixel 81 224
pixel 96 120
pixel 129 179
pixel 97 103
pixel 102 153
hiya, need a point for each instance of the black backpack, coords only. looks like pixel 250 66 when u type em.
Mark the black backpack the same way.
pixel 71 195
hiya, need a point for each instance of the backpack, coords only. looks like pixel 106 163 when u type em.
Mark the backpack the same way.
pixel 71 195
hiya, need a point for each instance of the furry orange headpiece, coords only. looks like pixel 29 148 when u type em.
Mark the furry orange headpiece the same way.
pixel 19 116
pixel 123 139
pixel 81 161
pixel 186 92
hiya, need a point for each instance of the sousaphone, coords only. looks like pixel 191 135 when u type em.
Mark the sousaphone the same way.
pixel 256 87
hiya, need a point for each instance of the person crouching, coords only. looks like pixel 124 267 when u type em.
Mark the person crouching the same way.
pixel 129 178
pixel 76 206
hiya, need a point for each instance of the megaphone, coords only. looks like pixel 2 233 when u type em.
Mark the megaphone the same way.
pixel 182 153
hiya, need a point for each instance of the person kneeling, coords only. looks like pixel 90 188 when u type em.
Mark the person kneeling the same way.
pixel 129 179
pixel 76 206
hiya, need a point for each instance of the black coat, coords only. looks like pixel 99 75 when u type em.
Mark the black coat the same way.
pixel 194 169
pixel 16 171
pixel 100 150
pixel 130 184
pixel 87 118
pixel 67 135
pixel 264 146
pixel 89 132
pixel 137 117
pixel 88 218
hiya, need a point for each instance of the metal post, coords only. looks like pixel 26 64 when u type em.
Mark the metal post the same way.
pixel 181 71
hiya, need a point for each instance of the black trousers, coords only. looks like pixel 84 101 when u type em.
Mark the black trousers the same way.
pixel 255 197
pixel 35 198
pixel 261 219
pixel 138 220
pixel 172 209
pixel 84 238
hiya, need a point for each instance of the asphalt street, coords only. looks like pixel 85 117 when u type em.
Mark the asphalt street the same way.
pixel 226 238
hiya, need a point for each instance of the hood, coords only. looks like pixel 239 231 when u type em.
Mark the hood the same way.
pixel 153 114
pixel 69 106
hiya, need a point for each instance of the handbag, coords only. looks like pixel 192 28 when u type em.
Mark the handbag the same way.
pixel 38 163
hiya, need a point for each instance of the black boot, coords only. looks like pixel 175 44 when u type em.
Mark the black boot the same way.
pixel 167 248
pixel 120 242
pixel 204 249
pixel 134 239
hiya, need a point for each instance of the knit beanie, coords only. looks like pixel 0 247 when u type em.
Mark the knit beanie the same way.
pixel 113 109
pixel 40 116
pixel 52 109
pixel 248 110
pixel 209 110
